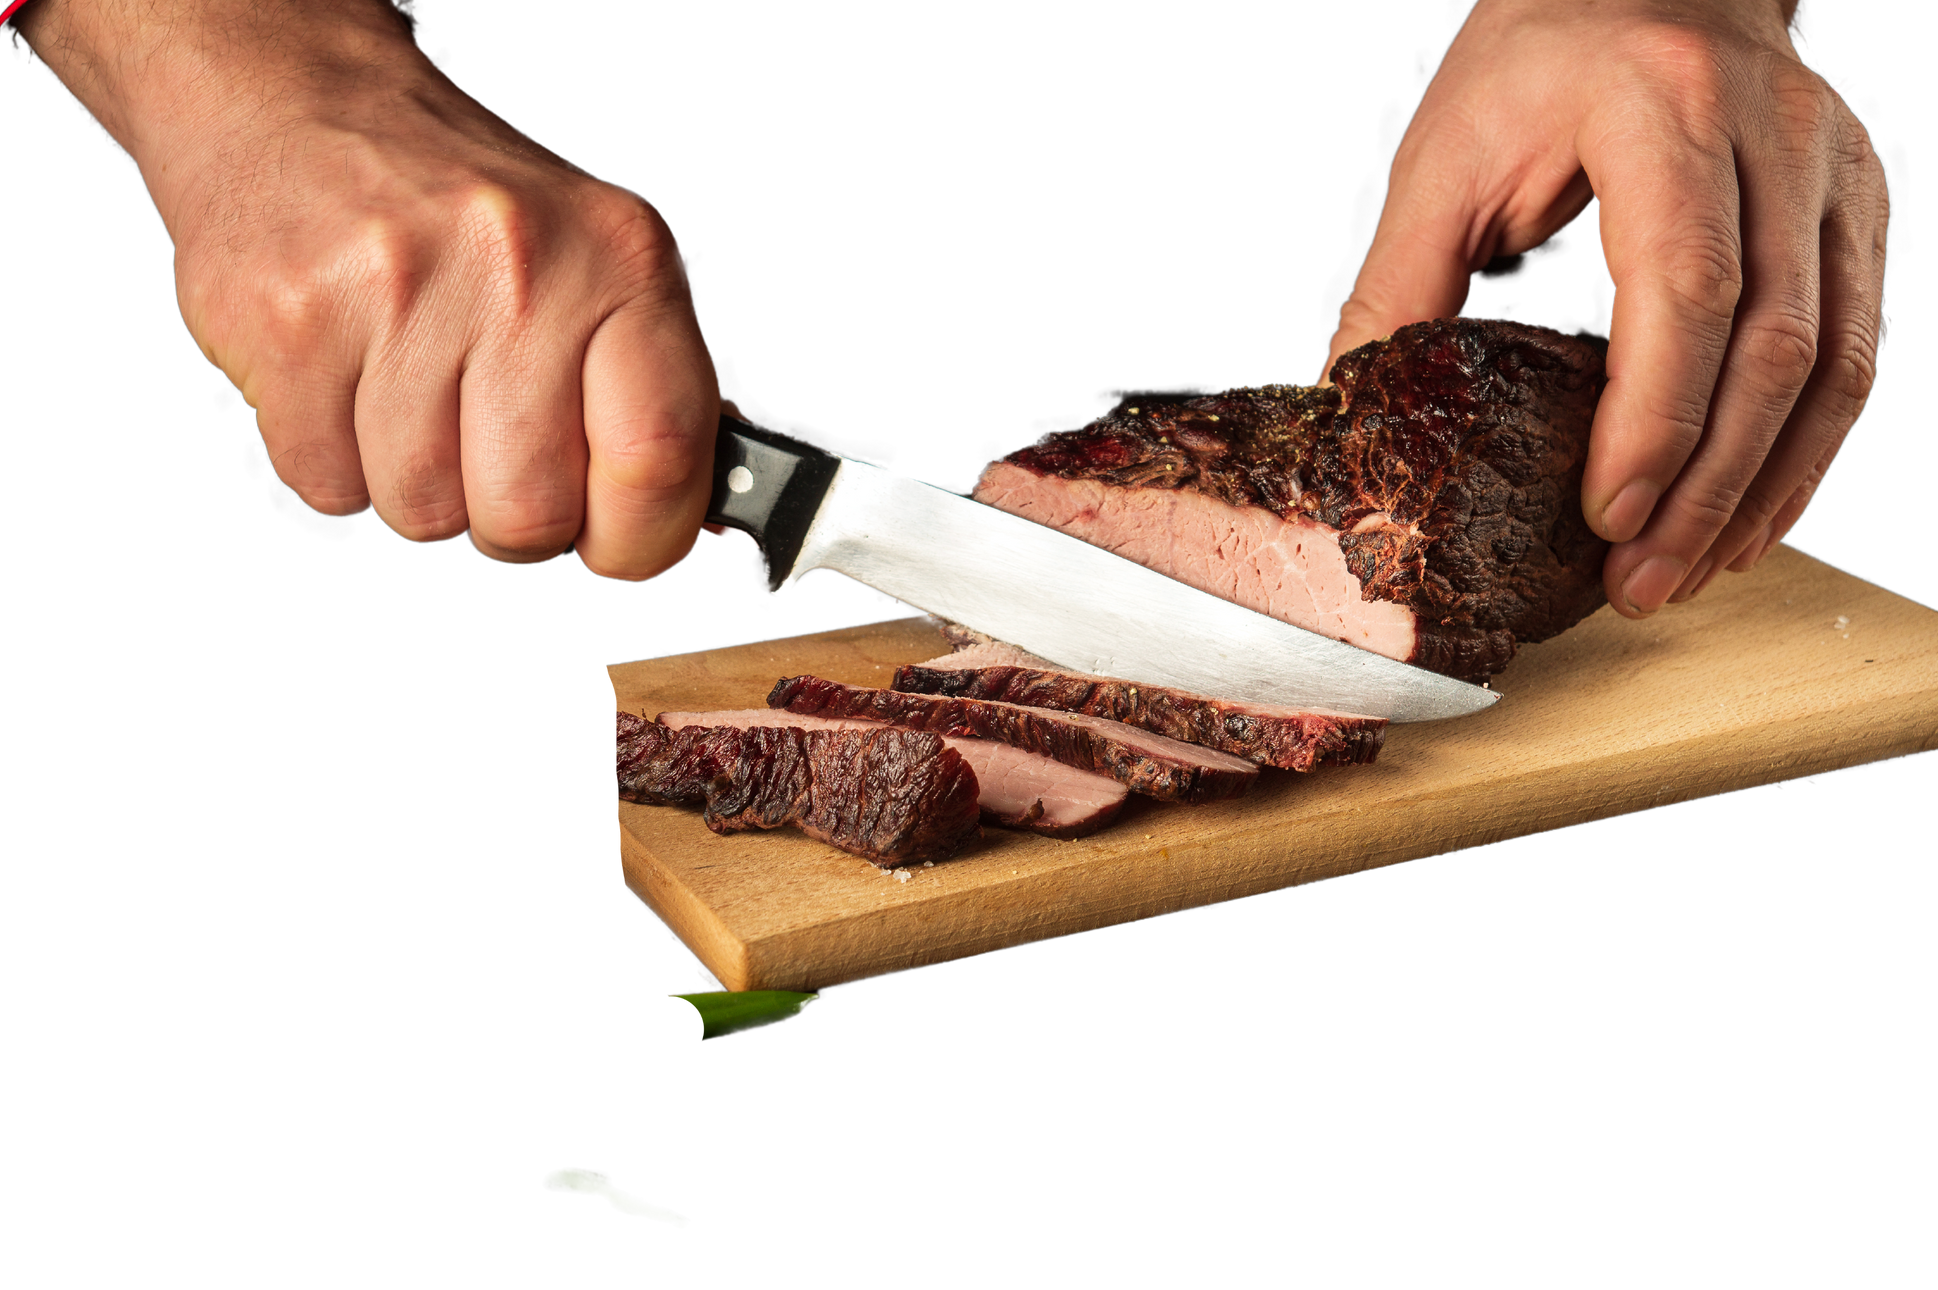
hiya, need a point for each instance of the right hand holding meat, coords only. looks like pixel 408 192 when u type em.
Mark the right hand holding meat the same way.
pixel 429 313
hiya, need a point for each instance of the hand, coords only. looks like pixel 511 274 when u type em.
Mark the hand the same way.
pixel 1742 213
pixel 429 313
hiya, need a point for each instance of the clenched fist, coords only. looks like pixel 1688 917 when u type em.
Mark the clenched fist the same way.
pixel 430 314
pixel 1742 213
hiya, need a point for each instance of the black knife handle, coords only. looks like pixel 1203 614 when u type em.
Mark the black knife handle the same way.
pixel 770 486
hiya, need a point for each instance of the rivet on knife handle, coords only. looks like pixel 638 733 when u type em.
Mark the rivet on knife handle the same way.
pixel 770 486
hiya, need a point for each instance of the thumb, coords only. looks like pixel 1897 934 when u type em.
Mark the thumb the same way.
pixel 1418 265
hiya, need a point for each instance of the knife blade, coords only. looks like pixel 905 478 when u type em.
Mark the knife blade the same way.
pixel 1077 605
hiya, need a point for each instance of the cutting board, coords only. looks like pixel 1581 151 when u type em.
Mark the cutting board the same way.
pixel 1791 670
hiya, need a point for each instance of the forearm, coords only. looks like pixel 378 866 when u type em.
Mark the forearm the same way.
pixel 173 81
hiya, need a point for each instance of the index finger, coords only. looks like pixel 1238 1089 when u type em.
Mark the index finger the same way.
pixel 652 411
pixel 1670 226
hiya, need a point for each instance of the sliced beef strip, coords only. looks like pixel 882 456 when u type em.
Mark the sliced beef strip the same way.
pixel 891 796
pixel 1271 736
pixel 1016 789
pixel 1143 762
pixel 1426 505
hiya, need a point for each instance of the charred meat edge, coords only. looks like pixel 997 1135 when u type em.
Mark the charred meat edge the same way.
pixel 1051 799
pixel 1271 736
pixel 890 796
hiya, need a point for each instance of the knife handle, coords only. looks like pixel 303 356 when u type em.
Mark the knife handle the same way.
pixel 768 485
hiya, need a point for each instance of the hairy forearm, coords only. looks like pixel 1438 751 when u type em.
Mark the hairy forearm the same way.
pixel 174 80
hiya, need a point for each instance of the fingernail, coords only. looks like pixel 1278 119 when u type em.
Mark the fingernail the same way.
pixel 1624 517
pixel 1652 582
pixel 1752 550
pixel 1698 577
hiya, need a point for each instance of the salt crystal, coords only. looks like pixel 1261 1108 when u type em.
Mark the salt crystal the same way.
pixel 901 875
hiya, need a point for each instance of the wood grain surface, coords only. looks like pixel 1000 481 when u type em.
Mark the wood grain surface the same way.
pixel 1753 682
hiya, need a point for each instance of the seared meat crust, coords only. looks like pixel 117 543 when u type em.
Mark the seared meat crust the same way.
pixel 892 796
pixel 1289 741
pixel 1448 457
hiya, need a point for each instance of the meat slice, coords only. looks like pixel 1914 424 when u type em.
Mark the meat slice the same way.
pixel 1015 789
pixel 1143 762
pixel 974 649
pixel 1287 738
pixel 890 796
pixel 1425 506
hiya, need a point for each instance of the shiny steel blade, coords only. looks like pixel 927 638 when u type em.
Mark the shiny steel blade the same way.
pixel 1085 609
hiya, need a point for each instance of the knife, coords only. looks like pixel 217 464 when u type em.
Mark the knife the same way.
pixel 1077 605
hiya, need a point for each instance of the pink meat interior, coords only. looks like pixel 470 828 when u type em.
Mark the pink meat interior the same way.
pixel 1010 780
pixel 1290 569
pixel 998 654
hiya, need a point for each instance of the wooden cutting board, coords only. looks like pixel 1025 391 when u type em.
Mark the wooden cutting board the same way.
pixel 1755 681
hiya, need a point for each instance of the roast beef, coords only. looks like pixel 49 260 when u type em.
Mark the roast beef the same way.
pixel 890 796
pixel 1143 762
pixel 1015 789
pixel 1271 736
pixel 1426 505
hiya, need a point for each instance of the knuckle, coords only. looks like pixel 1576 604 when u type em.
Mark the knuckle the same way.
pixel 1804 110
pixel 1794 505
pixel 1706 507
pixel 431 523
pixel 425 508
pixel 311 472
pixel 1687 60
pixel 1678 415
pixel 1675 49
pixel 1850 369
pixel 1705 272
pixel 1855 148
pixel 638 244
pixel 651 458
pixel 531 525
pixel 1783 347
pixel 296 308
pixel 389 265
pixel 507 233
pixel 198 295
pixel 1754 511
pixel 623 570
